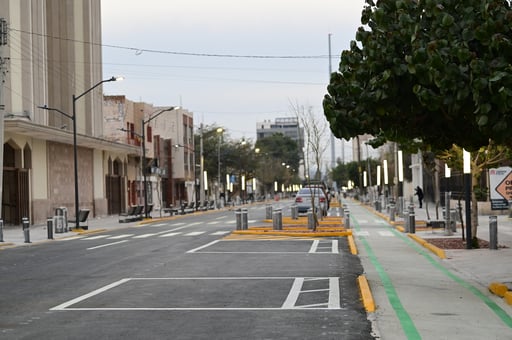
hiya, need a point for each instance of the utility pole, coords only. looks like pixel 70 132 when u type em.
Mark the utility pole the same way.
pixel 201 165
pixel 333 157
pixel 3 75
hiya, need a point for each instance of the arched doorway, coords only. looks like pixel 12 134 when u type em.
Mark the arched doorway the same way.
pixel 116 188
pixel 15 193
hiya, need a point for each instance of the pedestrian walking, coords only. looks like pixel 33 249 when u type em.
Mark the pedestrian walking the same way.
pixel 419 193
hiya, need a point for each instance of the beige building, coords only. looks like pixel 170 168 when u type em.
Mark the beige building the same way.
pixel 48 62
pixel 169 145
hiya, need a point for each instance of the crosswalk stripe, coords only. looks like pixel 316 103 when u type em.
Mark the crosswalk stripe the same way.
pixel 144 235
pixel 222 232
pixel 96 237
pixel 170 234
pixel 195 233
pixel 386 233
pixel 120 236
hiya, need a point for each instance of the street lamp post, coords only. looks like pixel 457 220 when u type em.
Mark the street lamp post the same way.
pixel 467 179
pixel 144 163
pixel 75 148
pixel 219 131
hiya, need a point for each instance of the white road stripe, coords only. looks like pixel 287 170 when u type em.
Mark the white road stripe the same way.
pixel 170 234
pixel 314 246
pixel 144 235
pixel 203 246
pixel 195 233
pixel 222 232
pixel 95 237
pixel 120 236
pixel 107 245
pixel 386 233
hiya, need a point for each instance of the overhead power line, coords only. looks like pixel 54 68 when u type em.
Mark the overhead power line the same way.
pixel 192 54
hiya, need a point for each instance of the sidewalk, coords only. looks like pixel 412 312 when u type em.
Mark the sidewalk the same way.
pixel 14 236
pixel 417 294
pixel 483 265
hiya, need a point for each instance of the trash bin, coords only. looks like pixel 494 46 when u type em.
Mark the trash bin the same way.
pixel 60 220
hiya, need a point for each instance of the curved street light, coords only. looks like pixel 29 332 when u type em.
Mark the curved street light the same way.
pixel 75 151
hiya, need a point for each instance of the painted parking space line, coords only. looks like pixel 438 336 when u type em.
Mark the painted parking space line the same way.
pixel 291 288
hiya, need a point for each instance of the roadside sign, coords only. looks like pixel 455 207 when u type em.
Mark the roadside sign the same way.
pixel 500 180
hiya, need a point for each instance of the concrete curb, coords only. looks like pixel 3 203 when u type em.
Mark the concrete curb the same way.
pixel 437 251
pixel 366 294
pixel 352 245
pixel 501 290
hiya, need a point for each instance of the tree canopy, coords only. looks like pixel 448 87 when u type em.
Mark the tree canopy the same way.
pixel 436 71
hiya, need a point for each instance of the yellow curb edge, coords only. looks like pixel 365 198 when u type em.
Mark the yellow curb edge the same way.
pixel 366 294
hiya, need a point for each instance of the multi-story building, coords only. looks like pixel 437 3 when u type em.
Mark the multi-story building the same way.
pixel 55 62
pixel 169 151
pixel 288 126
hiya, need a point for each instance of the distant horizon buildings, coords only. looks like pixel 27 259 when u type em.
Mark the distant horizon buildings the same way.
pixel 288 126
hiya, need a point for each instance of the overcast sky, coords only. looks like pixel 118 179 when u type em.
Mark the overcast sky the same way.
pixel 173 52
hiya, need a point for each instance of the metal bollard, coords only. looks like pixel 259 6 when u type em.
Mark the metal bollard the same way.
pixel 277 219
pixel 493 232
pixel 238 216
pixel 1 230
pixel 448 215
pixel 49 227
pixel 311 220
pixel 295 211
pixel 412 222
pixel 268 212
pixel 245 219
pixel 407 226
pixel 26 229
pixel 347 218
pixel 392 212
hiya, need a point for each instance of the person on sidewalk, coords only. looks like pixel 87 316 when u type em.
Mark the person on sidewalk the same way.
pixel 419 193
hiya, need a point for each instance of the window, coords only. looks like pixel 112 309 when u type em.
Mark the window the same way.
pixel 149 134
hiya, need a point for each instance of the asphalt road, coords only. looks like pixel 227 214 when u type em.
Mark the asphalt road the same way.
pixel 182 279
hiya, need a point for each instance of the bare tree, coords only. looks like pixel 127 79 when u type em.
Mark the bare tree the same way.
pixel 315 144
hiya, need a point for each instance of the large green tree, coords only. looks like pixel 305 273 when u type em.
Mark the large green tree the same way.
pixel 436 71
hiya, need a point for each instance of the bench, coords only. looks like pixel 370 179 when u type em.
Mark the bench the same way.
pixel 171 210
pixel 124 217
pixel 83 215
pixel 133 214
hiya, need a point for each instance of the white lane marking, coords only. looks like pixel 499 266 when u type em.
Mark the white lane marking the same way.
pixel 194 223
pixel 145 235
pixel 195 233
pixel 293 295
pixel 203 246
pixel 120 236
pixel 334 293
pixel 69 238
pixel 222 232
pixel 314 246
pixel 178 224
pixel 170 234
pixel 159 225
pixel 91 294
pixel 214 222
pixel 335 247
pixel 386 233
pixel 107 245
pixel 95 237
pixel 362 233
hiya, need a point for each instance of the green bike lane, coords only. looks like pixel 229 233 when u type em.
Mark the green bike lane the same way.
pixel 416 294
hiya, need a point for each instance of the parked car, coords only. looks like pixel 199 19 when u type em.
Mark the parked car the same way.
pixel 304 199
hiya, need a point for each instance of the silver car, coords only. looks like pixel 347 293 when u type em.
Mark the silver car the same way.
pixel 304 199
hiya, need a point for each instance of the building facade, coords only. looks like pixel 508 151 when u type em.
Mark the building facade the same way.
pixel 57 63
pixel 169 151
pixel 288 126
